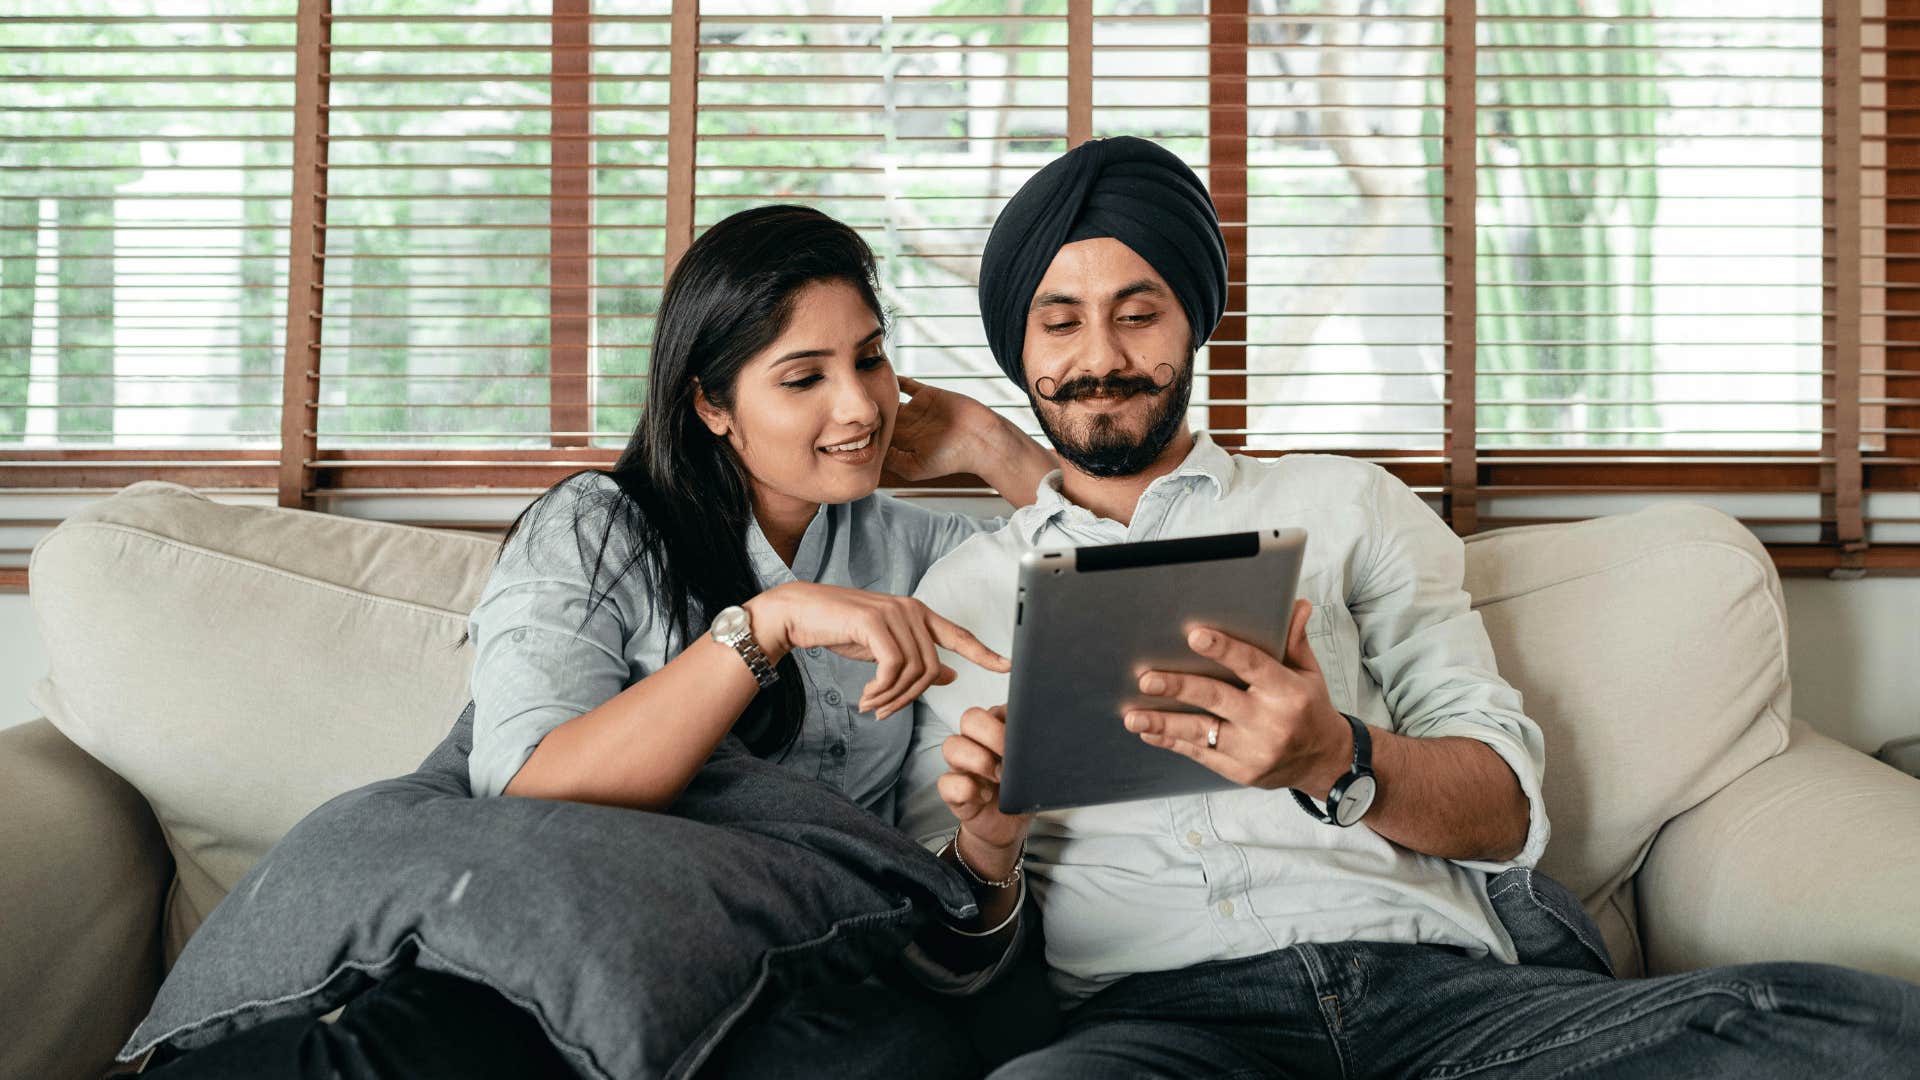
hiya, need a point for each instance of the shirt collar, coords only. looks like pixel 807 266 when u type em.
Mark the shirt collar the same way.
pixel 1206 464
pixel 808 561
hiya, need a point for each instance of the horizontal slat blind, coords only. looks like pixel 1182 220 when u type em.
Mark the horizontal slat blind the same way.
pixel 1346 285
pixel 1650 244
pixel 1890 355
pixel 623 277
pixel 1650 224
pixel 438 246
pixel 145 153
pixel 912 122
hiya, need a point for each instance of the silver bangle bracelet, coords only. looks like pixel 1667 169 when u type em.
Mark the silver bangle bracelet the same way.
pixel 1019 863
pixel 1004 923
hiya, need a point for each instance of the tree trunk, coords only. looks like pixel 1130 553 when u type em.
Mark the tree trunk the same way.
pixel 19 257
pixel 261 312
pixel 84 300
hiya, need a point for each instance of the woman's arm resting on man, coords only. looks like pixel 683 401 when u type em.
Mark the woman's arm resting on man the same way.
pixel 940 433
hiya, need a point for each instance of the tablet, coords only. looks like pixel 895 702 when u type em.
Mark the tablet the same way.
pixel 1091 620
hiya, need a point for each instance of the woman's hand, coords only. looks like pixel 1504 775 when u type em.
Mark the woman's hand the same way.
pixel 991 841
pixel 941 433
pixel 898 633
pixel 938 433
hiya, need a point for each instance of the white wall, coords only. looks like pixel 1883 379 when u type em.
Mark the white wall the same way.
pixel 1855 655
pixel 1854 650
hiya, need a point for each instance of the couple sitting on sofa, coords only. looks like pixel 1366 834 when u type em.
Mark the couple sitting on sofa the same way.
pixel 736 573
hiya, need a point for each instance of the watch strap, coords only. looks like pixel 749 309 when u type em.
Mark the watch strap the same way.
pixel 741 641
pixel 757 662
pixel 1362 766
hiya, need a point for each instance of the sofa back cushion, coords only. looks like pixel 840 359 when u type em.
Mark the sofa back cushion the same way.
pixel 240 665
pixel 1651 648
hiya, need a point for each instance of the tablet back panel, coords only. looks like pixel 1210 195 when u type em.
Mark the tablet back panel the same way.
pixel 1091 620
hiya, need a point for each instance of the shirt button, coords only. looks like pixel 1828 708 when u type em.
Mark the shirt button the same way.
pixel 839 750
pixel 1194 839
pixel 833 697
pixel 1226 908
pixel 813 650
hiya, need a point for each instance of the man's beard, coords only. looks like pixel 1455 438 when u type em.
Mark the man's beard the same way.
pixel 1103 448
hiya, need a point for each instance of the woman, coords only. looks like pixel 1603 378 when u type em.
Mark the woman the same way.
pixel 735 572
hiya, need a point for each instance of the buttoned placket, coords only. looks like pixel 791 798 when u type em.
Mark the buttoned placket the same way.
pixel 829 704
pixel 1222 865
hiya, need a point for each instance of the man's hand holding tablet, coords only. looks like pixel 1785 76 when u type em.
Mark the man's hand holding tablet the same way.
pixel 1281 731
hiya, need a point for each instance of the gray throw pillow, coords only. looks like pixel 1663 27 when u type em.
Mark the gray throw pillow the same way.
pixel 636 939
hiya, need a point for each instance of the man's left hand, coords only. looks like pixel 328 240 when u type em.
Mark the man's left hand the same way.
pixel 1282 731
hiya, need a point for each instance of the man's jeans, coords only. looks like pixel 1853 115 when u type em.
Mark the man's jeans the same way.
pixel 1361 1009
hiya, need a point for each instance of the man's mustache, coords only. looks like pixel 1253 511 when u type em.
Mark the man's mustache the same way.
pixel 1112 384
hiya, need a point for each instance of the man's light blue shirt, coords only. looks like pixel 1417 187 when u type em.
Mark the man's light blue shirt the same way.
pixel 541 660
pixel 1168 883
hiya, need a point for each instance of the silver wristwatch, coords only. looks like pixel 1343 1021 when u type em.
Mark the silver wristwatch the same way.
pixel 734 629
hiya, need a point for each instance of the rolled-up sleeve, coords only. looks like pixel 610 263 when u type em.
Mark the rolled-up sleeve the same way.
pixel 1428 650
pixel 540 659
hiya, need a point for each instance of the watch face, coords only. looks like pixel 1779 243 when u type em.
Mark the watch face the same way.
pixel 729 622
pixel 1355 801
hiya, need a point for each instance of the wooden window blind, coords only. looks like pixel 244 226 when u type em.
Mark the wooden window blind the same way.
pixel 146 164
pixel 1541 259
pixel 1650 246
pixel 909 123
pixel 1347 232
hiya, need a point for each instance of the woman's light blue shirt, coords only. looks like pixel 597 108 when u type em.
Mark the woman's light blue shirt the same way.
pixel 537 666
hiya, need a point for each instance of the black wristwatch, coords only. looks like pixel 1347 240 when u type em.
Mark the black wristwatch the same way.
pixel 1352 794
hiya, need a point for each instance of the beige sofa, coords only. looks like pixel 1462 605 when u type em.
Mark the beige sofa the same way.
pixel 216 671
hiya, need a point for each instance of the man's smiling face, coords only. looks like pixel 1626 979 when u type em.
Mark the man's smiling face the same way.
pixel 1107 357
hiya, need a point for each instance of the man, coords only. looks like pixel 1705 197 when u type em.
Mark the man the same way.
pixel 1238 933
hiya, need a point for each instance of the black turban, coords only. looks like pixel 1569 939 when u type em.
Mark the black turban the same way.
pixel 1132 190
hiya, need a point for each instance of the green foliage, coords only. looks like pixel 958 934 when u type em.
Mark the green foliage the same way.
pixel 1557 296
pixel 81 124
pixel 435 315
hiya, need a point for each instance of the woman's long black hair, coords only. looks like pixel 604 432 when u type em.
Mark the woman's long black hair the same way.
pixel 684 499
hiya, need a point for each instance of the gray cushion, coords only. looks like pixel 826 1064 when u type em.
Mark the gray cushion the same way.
pixel 636 939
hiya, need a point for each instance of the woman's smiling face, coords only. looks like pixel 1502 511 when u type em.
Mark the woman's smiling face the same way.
pixel 812 413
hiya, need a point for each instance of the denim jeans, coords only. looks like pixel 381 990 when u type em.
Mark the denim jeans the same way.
pixel 1359 1009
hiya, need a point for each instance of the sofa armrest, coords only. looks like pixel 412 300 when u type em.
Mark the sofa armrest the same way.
pixel 83 869
pixel 1808 856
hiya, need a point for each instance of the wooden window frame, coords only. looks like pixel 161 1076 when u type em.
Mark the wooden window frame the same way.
pixel 1461 472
